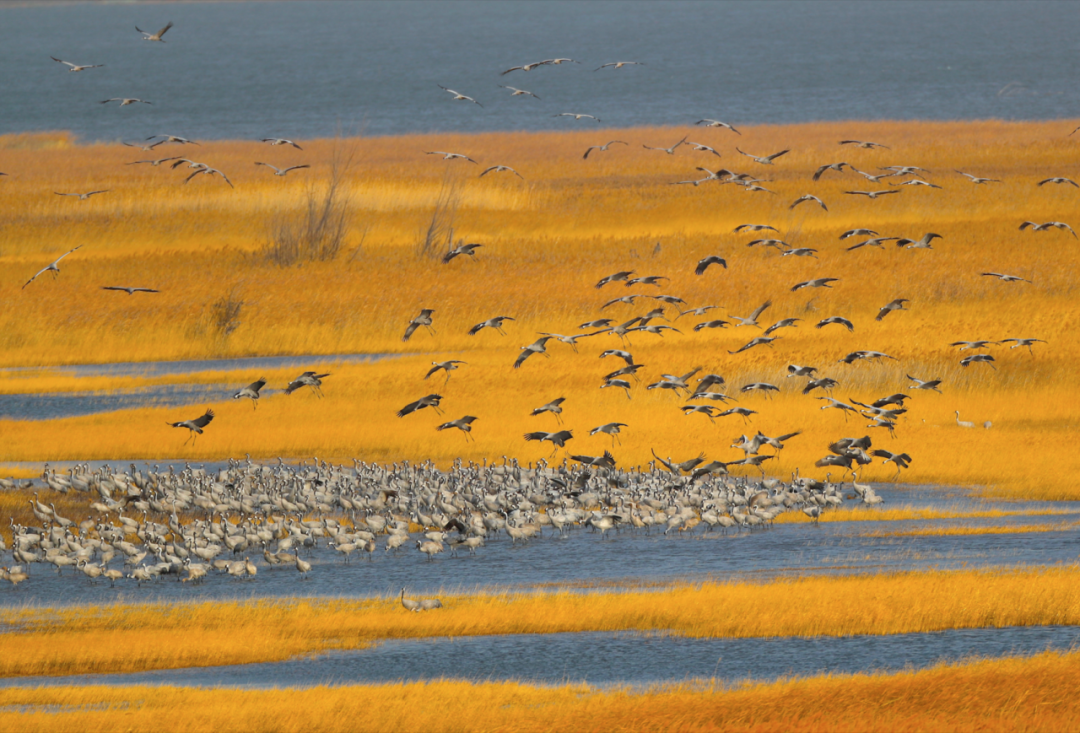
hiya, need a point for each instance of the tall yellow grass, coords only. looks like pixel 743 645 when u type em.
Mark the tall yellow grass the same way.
pixel 1011 694
pixel 547 240
pixel 127 638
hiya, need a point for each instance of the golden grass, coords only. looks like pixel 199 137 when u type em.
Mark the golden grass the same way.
pixel 1010 694
pixel 964 531
pixel 128 638
pixel 906 513
pixel 547 240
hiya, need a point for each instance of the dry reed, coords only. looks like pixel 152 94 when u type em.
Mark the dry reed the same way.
pixel 1010 694
pixel 547 241
pixel 128 638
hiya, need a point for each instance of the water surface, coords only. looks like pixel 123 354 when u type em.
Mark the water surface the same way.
pixel 602 659
pixel 307 69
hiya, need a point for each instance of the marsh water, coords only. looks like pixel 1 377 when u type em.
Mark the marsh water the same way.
pixel 50 406
pixel 624 559
pixel 308 69
pixel 317 69
pixel 584 561
pixel 603 659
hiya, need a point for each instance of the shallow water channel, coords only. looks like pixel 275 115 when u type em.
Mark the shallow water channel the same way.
pixel 602 658
pixel 583 558
pixel 53 405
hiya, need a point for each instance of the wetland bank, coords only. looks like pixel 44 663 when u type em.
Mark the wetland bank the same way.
pixel 932 592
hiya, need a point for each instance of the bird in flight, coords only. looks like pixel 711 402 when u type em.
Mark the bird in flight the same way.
pixel 603 148
pixel 864 144
pixel 557 439
pixel 307 379
pixel 751 320
pixel 129 291
pixel 1047 226
pixel 620 64
pixel 211 172
pixel 125 101
pixel 52 266
pixel 759 341
pixel 83 196
pixel 495 323
pixel 155 36
pixel 515 92
pixel 925 384
pixel 464 249
pixel 251 392
pixel 577 116
pixel 279 141
pixel 149 147
pixel 1006 278
pixel 765 160
pixel 195 426
pixel 858 233
pixel 755 228
pixel 978 359
pixel 702 148
pixel 1058 179
pixel 703 264
pixel 837 320
pixel 894 305
pixel 980 344
pixel 501 169
pixel 977 180
pixel 464 424
pixel 536 347
pixel 448 366
pixel 530 67
pixel 621 276
pixel 424 319
pixel 459 97
pixel 283 171
pixel 449 156
pixel 916 182
pixel 717 123
pixel 172 139
pixel 431 400
pixel 1022 342
pixel 821 282
pixel 808 197
pixel 76 67
pixel 870 194
pixel 782 323
pixel 923 243
pixel 669 151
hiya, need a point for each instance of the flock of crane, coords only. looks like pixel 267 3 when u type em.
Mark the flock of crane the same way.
pixel 220 522
pixel 285 509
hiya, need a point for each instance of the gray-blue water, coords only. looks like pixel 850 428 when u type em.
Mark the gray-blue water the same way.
pixel 52 406
pixel 191 366
pixel 625 558
pixel 291 69
pixel 603 658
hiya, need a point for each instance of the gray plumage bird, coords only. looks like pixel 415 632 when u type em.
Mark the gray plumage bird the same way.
pixel 431 400
pixel 155 36
pixel 194 426
pixel 495 323
pixel 464 424
pixel 423 319
pixel 895 305
pixel 307 379
pixel 251 392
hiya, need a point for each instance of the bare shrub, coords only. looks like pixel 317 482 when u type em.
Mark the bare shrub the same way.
pixel 318 232
pixel 437 237
pixel 225 314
